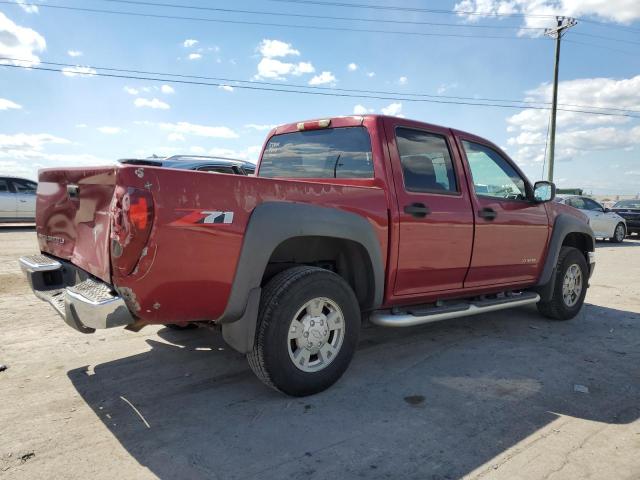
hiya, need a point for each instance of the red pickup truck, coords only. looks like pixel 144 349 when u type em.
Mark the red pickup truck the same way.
pixel 376 217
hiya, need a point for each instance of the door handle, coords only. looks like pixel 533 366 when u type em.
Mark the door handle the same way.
pixel 418 210
pixel 487 213
pixel 23 201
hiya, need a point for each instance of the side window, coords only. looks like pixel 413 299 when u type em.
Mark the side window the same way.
pixel 591 205
pixel 4 186
pixel 426 162
pixel 24 186
pixel 492 175
pixel 577 203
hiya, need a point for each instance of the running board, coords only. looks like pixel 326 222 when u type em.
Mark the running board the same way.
pixel 415 316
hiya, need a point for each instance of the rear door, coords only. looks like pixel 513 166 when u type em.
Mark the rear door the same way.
pixel 601 222
pixel 7 200
pixel 25 197
pixel 511 231
pixel 436 221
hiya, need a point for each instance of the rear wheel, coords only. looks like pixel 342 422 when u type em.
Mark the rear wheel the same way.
pixel 307 331
pixel 570 288
pixel 619 233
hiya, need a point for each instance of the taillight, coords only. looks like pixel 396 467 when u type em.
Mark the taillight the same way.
pixel 131 222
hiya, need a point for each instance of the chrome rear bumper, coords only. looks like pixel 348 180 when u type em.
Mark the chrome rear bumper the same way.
pixel 84 302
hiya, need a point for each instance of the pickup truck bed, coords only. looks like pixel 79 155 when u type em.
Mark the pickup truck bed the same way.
pixel 380 217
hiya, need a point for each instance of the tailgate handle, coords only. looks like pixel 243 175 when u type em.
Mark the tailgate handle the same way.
pixel 487 213
pixel 419 210
pixel 73 191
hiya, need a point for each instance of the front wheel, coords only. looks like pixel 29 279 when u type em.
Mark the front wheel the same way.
pixel 619 233
pixel 307 331
pixel 570 287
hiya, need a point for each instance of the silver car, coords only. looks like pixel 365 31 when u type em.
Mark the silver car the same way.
pixel 17 200
pixel 603 222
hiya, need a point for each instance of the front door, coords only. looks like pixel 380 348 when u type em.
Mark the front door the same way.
pixel 435 217
pixel 511 230
pixel 25 198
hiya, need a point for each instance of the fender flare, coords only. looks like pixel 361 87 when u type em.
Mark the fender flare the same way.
pixel 270 224
pixel 563 226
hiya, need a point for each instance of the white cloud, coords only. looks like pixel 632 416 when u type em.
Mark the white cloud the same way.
pixel 444 87
pixel 131 90
pixel 226 88
pixel 176 137
pixel 74 53
pixel 259 127
pixel 78 71
pixel 167 89
pixel 153 103
pixel 576 133
pixel 269 65
pixel 109 130
pixel 394 109
pixel 8 105
pixel 276 69
pixel 362 110
pixel 352 67
pixel 250 153
pixel 189 42
pixel 403 80
pixel 276 48
pixel 195 56
pixel 371 74
pixel 187 128
pixel 81 125
pixel 196 150
pixel 619 11
pixel 323 78
pixel 28 142
pixel 19 42
pixel 27 7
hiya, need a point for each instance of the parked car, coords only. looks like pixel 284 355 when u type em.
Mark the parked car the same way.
pixel 17 200
pixel 604 222
pixel 348 217
pixel 630 211
pixel 197 162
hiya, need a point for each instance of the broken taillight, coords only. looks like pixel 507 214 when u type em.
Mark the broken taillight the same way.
pixel 131 221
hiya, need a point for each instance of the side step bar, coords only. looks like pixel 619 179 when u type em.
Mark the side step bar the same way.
pixel 419 316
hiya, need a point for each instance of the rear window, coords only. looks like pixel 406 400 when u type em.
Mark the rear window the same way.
pixel 330 153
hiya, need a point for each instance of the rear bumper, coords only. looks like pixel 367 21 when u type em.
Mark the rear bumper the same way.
pixel 84 302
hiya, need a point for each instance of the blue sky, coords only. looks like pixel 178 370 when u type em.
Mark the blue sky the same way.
pixel 52 119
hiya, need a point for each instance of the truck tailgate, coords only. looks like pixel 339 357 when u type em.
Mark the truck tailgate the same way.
pixel 72 216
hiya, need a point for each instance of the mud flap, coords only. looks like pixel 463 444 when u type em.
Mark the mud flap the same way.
pixel 240 335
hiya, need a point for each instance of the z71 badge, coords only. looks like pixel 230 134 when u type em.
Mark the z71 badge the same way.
pixel 204 217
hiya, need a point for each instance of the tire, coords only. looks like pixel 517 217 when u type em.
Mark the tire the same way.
pixel 619 233
pixel 561 307
pixel 298 301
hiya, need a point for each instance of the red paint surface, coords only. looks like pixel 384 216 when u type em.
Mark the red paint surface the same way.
pixel 186 269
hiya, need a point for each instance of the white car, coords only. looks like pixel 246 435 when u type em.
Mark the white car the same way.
pixel 17 200
pixel 603 222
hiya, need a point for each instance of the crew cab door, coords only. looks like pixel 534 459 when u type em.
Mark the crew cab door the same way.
pixel 434 208
pixel 7 200
pixel 511 230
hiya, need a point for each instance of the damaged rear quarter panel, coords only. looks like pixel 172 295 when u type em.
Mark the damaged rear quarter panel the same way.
pixel 197 235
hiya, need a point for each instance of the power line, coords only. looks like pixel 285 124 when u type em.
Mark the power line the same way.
pixel 322 17
pixel 596 45
pixel 235 82
pixel 317 93
pixel 603 37
pixel 449 12
pixel 269 24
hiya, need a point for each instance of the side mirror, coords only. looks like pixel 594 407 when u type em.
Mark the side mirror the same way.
pixel 544 191
pixel 607 210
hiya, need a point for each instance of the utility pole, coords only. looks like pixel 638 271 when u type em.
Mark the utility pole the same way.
pixel 564 23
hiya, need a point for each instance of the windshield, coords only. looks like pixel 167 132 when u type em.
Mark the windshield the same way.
pixel 329 153
pixel 628 204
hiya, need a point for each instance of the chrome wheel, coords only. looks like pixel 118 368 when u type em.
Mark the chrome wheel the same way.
pixel 572 285
pixel 619 233
pixel 315 334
